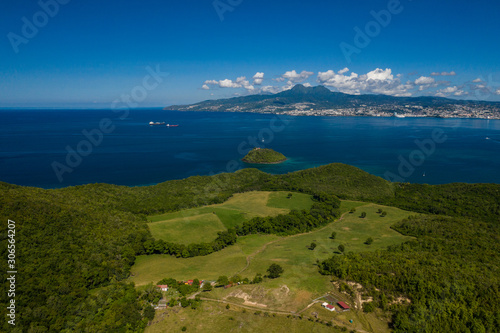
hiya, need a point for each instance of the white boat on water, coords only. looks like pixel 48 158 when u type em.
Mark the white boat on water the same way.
pixel 399 115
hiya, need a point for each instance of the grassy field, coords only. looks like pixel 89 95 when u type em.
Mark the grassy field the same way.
pixel 301 275
pixel 190 229
pixel 202 224
pixel 300 282
pixel 214 317
pixel 228 261
pixel 290 252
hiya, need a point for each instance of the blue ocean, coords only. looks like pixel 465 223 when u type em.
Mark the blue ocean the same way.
pixel 59 148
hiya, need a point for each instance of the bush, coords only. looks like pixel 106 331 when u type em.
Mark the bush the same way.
pixel 368 307
pixel 274 271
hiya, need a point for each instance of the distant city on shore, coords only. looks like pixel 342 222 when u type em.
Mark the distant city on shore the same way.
pixel 320 101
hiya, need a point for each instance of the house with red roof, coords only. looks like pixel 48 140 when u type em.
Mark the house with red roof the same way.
pixel 163 287
pixel 328 306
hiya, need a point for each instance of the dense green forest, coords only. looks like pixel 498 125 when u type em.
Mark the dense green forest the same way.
pixel 450 273
pixel 75 246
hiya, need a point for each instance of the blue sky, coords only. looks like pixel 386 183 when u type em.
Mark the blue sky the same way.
pixel 92 53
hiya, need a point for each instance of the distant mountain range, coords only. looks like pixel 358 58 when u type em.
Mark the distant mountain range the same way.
pixel 319 100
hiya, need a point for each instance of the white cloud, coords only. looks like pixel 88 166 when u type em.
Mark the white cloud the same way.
pixel 242 80
pixel 229 84
pixel 424 80
pixel 379 74
pixel 460 93
pixel 345 70
pixel 258 78
pixel 477 80
pixel 295 77
pixel 452 73
pixel 271 89
pixel 449 90
pixel 497 92
pixel 378 81
pixel 307 84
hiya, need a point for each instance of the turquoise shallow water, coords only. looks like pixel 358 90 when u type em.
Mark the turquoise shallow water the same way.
pixel 33 142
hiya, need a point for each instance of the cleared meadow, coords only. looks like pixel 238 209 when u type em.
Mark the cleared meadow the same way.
pixel 202 224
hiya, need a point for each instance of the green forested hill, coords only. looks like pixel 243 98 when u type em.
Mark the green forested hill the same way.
pixel 263 156
pixel 75 245
pixel 450 273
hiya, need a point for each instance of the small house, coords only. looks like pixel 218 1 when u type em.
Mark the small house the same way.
pixel 328 306
pixel 163 287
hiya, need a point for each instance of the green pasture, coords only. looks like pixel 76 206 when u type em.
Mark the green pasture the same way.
pixel 202 224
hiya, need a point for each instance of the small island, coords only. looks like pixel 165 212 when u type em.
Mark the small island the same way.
pixel 264 156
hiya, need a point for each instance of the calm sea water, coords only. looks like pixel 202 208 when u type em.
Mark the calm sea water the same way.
pixel 133 153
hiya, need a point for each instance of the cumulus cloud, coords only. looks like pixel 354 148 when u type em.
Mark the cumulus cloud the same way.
pixel 477 80
pixel 295 77
pixel 448 90
pixel 258 78
pixel 345 70
pixel 227 83
pixel 452 73
pixel 451 90
pixel 424 80
pixel 378 81
pixel 497 92
pixel 271 89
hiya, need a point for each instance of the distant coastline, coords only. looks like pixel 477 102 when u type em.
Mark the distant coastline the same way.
pixel 320 101
pixel 328 113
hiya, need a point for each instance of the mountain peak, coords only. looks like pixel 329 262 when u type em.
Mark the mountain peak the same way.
pixel 301 89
